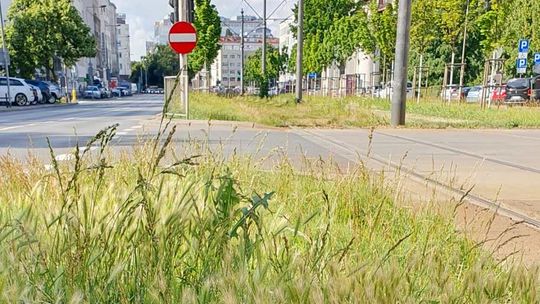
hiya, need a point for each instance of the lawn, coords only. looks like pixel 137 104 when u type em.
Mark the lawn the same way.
pixel 317 111
pixel 159 226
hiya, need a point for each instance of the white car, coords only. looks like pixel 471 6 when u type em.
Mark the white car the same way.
pixel 387 91
pixel 21 92
pixel 38 98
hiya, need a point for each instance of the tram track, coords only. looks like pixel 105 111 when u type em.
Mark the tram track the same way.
pixel 469 197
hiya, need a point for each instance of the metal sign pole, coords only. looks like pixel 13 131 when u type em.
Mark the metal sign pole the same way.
pixel 6 56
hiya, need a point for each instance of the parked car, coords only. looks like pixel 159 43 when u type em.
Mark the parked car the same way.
pixel 451 92
pixel 518 90
pixel 124 91
pixel 38 97
pixel 474 94
pixel 44 88
pixel 535 88
pixel 465 91
pixel 92 92
pixel 21 92
pixel 499 94
pixel 116 92
pixel 387 91
pixel 108 93
pixel 56 92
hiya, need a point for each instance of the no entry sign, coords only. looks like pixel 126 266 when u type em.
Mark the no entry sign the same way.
pixel 183 37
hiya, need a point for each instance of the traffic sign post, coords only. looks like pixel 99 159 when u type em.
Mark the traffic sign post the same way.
pixel 537 59
pixel 523 46
pixel 183 38
pixel 521 65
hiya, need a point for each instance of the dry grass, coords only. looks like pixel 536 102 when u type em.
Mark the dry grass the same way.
pixel 282 111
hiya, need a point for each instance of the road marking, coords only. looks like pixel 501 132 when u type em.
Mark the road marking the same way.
pixel 136 127
pixel 121 133
pixel 17 127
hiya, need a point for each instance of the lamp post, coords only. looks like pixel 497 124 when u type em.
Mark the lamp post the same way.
pixel 6 56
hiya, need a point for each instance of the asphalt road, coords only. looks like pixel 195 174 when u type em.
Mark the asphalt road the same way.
pixel 501 166
pixel 27 129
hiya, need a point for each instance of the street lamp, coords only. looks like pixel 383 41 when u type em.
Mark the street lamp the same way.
pixel 6 56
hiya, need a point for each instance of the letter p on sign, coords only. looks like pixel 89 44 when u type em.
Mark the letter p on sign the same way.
pixel 523 46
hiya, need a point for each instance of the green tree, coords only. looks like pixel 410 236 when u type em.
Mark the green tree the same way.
pixel 383 28
pixel 40 31
pixel 522 22
pixel 323 20
pixel 276 63
pixel 208 25
pixel 160 63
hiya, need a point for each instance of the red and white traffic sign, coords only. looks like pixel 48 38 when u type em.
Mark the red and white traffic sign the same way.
pixel 183 37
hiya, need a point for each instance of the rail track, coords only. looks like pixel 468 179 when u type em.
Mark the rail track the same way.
pixel 412 174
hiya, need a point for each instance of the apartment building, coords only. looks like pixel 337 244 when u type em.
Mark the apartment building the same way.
pixel 226 69
pixel 124 49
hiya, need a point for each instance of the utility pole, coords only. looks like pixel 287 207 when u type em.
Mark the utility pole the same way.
pixel 263 60
pixel 399 96
pixel 6 57
pixel 300 51
pixel 242 55
pixel 462 71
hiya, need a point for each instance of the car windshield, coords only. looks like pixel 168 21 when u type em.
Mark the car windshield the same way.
pixel 518 83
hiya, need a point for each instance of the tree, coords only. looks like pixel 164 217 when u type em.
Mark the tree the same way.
pixel 383 28
pixel 320 17
pixel 40 31
pixel 160 63
pixel 276 63
pixel 208 25
pixel 522 22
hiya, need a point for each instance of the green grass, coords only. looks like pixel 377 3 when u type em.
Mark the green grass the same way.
pixel 191 227
pixel 282 111
pixel 316 111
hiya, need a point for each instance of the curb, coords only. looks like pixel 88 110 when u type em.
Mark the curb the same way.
pixel 3 108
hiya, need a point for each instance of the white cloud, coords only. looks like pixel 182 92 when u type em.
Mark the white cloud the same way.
pixel 141 15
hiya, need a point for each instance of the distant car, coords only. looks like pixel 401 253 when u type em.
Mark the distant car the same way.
pixel 387 91
pixel 116 92
pixel 518 90
pixel 92 92
pixel 451 92
pixel 44 88
pixel 21 92
pixel 499 94
pixel 56 92
pixel 38 97
pixel 474 94
pixel 535 88
pixel 125 90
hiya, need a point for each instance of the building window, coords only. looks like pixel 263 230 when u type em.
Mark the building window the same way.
pixel 121 67
pixel 120 55
pixel 225 56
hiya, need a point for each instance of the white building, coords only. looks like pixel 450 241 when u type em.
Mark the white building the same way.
pixel 161 30
pixel 226 69
pixel 100 16
pixel 124 49
pixel 286 43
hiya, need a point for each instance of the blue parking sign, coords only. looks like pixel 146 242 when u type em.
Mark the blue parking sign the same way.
pixel 521 63
pixel 537 59
pixel 523 46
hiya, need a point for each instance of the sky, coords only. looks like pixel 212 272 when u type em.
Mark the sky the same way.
pixel 141 15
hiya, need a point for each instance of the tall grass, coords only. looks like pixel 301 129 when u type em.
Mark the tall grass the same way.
pixel 157 225
pixel 316 111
